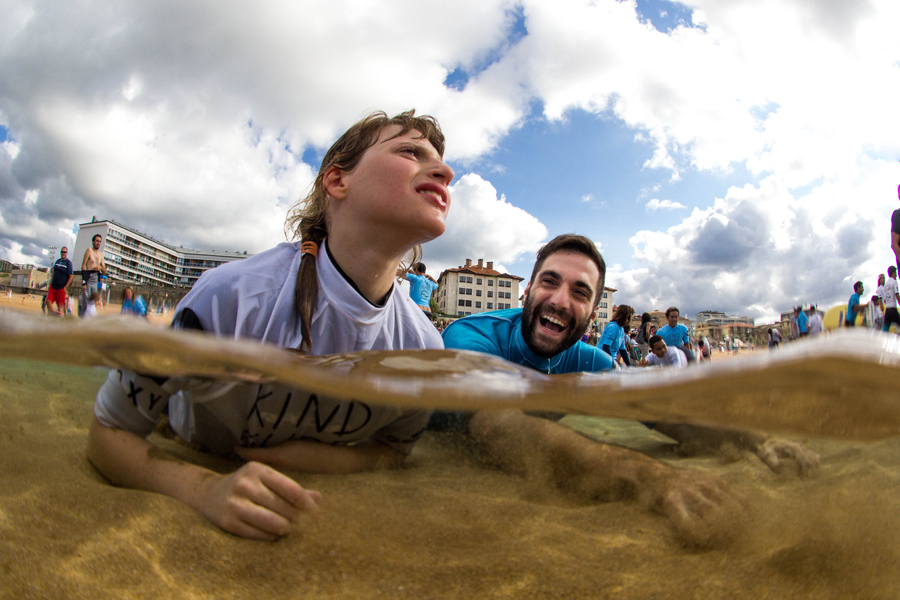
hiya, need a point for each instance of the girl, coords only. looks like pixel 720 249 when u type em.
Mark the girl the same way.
pixel 644 334
pixel 381 191
pixel 613 339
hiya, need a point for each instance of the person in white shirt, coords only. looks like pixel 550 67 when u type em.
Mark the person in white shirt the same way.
pixel 891 315
pixel 663 356
pixel 815 320
pixel 382 189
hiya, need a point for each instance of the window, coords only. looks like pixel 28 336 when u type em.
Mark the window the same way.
pixel 602 315
pixel 462 302
pixel 468 291
pixel 490 305
pixel 468 280
pixel 604 305
pixel 460 313
pixel 605 294
pixel 490 294
pixel 490 282
pixel 477 292
pixel 468 303
pixel 478 281
pixel 478 305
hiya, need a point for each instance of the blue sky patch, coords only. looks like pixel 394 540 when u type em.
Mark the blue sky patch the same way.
pixel 665 16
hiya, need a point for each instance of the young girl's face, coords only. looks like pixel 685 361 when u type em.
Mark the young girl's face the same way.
pixel 400 183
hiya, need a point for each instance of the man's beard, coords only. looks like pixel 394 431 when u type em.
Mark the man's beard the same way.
pixel 531 319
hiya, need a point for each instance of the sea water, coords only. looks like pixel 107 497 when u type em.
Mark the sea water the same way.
pixel 447 526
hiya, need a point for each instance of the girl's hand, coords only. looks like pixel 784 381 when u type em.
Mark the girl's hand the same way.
pixel 256 502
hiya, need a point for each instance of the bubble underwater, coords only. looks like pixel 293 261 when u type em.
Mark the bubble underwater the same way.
pixel 446 525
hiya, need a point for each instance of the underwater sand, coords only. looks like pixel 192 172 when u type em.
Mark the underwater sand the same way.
pixel 444 526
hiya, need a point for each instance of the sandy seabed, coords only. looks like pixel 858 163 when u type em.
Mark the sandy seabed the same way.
pixel 444 526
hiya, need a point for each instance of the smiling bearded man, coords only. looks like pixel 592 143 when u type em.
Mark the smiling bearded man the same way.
pixel 561 299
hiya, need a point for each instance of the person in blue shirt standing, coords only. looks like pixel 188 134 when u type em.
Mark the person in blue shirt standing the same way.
pixel 853 305
pixel 802 322
pixel 675 334
pixel 421 287
pixel 613 339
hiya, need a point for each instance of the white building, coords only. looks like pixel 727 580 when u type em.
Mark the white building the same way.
pixel 473 289
pixel 604 308
pixel 134 257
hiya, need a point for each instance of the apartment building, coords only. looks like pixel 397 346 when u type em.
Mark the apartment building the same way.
pixel 472 289
pixel 136 258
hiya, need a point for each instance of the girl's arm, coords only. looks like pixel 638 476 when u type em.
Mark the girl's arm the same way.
pixel 316 457
pixel 254 502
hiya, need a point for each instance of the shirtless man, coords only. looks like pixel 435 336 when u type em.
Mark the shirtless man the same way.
pixel 92 265
pixel 560 301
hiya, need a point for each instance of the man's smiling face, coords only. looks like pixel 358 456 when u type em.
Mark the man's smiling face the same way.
pixel 559 303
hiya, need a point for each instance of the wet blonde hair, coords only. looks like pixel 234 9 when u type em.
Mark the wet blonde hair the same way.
pixel 306 220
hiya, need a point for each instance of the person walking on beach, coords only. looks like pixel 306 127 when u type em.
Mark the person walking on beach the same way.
pixel 815 320
pixel 644 334
pixel 63 273
pixel 613 339
pixel 895 232
pixel 891 291
pixel 802 322
pixel 853 304
pixel 92 265
pixel 382 189
pixel 561 298
pixel 422 285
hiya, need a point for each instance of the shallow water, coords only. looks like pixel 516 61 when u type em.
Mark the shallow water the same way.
pixel 446 526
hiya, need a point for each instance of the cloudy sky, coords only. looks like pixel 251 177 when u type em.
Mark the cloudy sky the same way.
pixel 724 154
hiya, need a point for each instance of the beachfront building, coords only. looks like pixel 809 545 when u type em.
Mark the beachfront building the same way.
pixel 472 289
pixel 605 308
pixel 136 258
pixel 719 327
pixel 29 279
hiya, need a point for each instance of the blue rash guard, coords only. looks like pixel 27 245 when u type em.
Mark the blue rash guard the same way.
pixel 420 289
pixel 500 333
pixel 614 337
pixel 675 336
pixel 850 319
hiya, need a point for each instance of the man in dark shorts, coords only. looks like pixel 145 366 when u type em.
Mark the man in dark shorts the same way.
pixel 891 290
pixel 895 231
pixel 63 273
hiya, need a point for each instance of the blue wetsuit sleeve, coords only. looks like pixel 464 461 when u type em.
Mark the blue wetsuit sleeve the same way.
pixel 624 356
pixel 462 335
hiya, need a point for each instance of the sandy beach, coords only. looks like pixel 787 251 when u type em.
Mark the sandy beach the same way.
pixel 444 526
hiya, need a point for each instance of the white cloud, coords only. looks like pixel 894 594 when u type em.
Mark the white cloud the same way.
pixel 587 198
pixel 761 249
pixel 655 204
pixel 483 225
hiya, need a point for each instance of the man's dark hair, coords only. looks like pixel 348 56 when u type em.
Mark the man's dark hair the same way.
pixel 672 309
pixel 653 339
pixel 573 243
pixel 857 285
pixel 892 271
pixel 97 235
pixel 420 267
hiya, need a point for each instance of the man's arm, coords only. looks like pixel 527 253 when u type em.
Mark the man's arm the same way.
pixel 701 507
pixel 102 263
pixel 895 244
pixel 84 261
pixel 255 501
pixel 772 451
pixel 71 275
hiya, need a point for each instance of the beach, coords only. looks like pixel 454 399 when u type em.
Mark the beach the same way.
pixel 443 526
